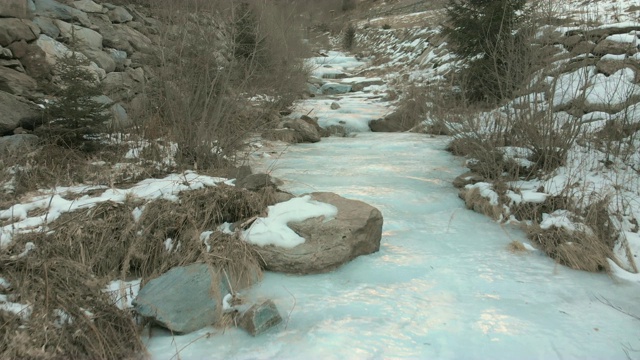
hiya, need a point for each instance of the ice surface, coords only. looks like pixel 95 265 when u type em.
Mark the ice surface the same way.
pixel 443 286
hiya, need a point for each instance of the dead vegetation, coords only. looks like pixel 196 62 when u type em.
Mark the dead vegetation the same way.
pixel 62 278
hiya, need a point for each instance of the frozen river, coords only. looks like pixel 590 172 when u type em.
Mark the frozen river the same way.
pixel 443 286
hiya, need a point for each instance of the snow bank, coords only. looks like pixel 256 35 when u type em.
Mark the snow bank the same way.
pixel 273 229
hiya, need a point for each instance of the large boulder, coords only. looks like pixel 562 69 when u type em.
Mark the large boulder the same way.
pixel 308 133
pixel 15 112
pixel 14 8
pixel 183 299
pixel 255 182
pixel 82 37
pixel 16 82
pixel 119 15
pixel 607 46
pixel 122 37
pixel 47 26
pixel 102 59
pixel 17 29
pixel 33 58
pixel 356 230
pixel 55 10
pixel 88 6
pixel 15 144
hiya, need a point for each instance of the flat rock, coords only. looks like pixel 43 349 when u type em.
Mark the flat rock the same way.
pixel 16 112
pixel 123 37
pixel 260 318
pixel 613 47
pixel 356 230
pixel 88 6
pixel 102 59
pixel 183 299
pixel 47 26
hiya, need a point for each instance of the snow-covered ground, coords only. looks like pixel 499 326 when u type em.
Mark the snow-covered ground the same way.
pixel 444 284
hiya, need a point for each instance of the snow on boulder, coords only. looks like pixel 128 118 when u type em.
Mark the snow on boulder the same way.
pixel 316 233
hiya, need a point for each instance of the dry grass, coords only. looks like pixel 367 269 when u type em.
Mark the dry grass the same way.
pixel 516 247
pixel 72 263
pixel 478 203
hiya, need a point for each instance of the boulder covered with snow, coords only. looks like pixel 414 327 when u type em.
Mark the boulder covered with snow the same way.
pixel 184 299
pixel 338 231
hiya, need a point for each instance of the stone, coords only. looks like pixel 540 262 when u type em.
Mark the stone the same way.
pixel 34 60
pixel 360 85
pixel 468 178
pixel 570 41
pixel 47 26
pixel 121 85
pixel 609 67
pixel 183 299
pixel 82 37
pixel 335 88
pixel 88 6
pixel 356 230
pixel 335 106
pixel 240 173
pixel 102 59
pixel 12 30
pixel 16 112
pixel 55 10
pixel 14 64
pixel 260 318
pixel 17 143
pixel 122 37
pixel 313 89
pixel 584 47
pixel 6 53
pixel 289 136
pixel 120 58
pixel 336 130
pixel 119 15
pixel 307 132
pixel 613 47
pixel 16 83
pixel 14 9
pixel 255 182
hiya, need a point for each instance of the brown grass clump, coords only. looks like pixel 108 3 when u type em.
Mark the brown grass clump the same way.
pixel 516 247
pixel 71 316
pixel 578 250
pixel 478 203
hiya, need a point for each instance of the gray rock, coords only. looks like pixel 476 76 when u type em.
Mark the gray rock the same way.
pixel 613 47
pixel 336 130
pixel 360 85
pixel 88 6
pixel 289 136
pixel 335 106
pixel 14 9
pixel 119 57
pixel 122 37
pixel 17 143
pixel 120 117
pixel 55 10
pixel 260 318
pixel 16 112
pixel 119 15
pixel 83 37
pixel 183 299
pixel 17 29
pixel 307 132
pixel 313 89
pixel 17 83
pixel 102 59
pixel 356 230
pixel 335 88
pixel 121 85
pixel 47 26
pixel 5 53
pixel 255 182
pixel 14 64
pixel 240 172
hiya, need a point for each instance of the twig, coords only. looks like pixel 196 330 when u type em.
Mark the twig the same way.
pixel 291 311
